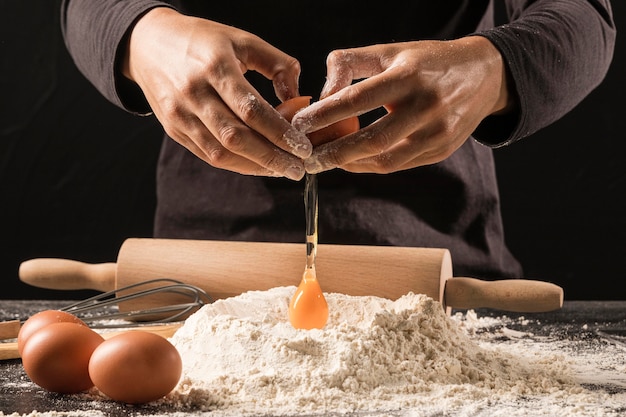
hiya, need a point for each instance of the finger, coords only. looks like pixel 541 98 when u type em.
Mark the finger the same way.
pixel 214 154
pixel 354 100
pixel 395 159
pixel 346 65
pixel 282 69
pixel 249 107
pixel 436 154
pixel 419 149
pixel 368 142
pixel 348 100
pixel 285 84
pixel 236 138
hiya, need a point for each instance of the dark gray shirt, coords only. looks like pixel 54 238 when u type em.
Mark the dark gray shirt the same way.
pixel 556 51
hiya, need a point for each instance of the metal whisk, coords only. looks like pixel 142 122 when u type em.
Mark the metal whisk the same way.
pixel 103 306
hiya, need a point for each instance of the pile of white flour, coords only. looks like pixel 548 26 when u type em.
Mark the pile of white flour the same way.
pixel 241 356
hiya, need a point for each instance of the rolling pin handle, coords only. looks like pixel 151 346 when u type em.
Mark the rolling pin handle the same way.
pixel 9 329
pixel 65 274
pixel 517 295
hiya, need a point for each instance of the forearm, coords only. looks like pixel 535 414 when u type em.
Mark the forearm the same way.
pixel 94 32
pixel 556 52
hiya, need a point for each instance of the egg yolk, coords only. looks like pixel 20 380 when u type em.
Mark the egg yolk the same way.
pixel 308 308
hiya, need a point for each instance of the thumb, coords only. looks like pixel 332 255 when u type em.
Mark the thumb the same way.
pixel 339 71
pixel 343 66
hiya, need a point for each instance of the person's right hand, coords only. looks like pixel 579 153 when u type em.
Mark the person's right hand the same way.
pixel 191 71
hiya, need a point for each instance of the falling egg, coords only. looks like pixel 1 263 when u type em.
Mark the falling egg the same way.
pixel 308 308
pixel 56 357
pixel 135 367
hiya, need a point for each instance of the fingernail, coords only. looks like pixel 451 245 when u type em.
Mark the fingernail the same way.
pixel 301 124
pixel 295 173
pixel 298 143
pixel 267 173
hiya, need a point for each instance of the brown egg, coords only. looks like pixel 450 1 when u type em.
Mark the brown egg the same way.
pixel 42 319
pixel 56 357
pixel 290 107
pixel 135 367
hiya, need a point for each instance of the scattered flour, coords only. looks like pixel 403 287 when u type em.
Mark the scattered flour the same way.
pixel 375 357
pixel 242 357
pixel 90 413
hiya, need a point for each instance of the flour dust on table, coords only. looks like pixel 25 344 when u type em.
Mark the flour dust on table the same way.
pixel 241 356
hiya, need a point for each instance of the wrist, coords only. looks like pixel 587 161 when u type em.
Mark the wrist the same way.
pixel 499 77
pixel 140 30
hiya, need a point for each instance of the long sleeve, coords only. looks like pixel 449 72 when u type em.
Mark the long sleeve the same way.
pixel 556 51
pixel 93 32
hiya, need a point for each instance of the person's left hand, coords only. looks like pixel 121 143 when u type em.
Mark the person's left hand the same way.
pixel 435 93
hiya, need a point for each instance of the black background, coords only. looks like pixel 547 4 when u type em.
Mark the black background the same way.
pixel 77 174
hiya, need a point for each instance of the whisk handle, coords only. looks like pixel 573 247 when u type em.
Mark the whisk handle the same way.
pixel 66 274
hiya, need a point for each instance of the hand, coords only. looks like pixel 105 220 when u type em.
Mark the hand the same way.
pixel 191 71
pixel 435 93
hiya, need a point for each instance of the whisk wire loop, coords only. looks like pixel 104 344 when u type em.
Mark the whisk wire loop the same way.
pixel 103 306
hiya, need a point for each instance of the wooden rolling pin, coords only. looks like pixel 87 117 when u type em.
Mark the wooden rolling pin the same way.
pixel 224 269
